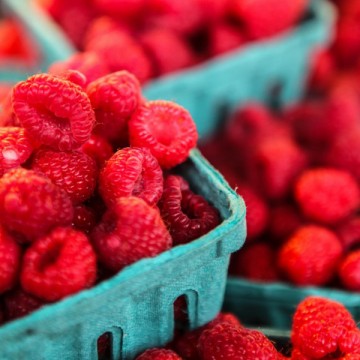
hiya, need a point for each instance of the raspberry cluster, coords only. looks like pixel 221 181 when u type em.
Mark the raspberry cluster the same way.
pixel 153 37
pixel 322 329
pixel 86 185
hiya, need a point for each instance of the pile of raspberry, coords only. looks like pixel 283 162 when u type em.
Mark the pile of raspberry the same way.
pixel 322 329
pixel 153 37
pixel 298 171
pixel 87 187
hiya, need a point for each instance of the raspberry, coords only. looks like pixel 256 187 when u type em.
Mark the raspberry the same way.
pixel 187 215
pixel 123 9
pixel 114 98
pixel 257 212
pixel 7 116
pixel 323 70
pixel 265 18
pixel 15 148
pixel 19 303
pixel 327 195
pixel 228 342
pixel 350 357
pixel 297 355
pixel 74 76
pixel 168 50
pixel 350 342
pixel 310 256
pixel 349 271
pixel 119 243
pixel 256 262
pixel 166 129
pixel 213 10
pixel 348 232
pixel 74 172
pixel 55 112
pixel 158 354
pixel 31 204
pixel 59 264
pixel 99 149
pixel 131 172
pixel 10 253
pixel 318 326
pixel 88 63
pixel 84 218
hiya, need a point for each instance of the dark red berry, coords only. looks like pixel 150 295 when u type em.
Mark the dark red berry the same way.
pixel 99 149
pixel 84 218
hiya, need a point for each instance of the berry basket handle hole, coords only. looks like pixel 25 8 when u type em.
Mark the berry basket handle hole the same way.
pixel 109 345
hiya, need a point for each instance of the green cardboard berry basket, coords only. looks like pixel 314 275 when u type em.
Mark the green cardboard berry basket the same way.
pixel 136 305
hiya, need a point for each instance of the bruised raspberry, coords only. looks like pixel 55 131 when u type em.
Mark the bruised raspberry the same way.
pixel 158 354
pixel 327 195
pixel 99 149
pixel 10 254
pixel 348 232
pixel 166 129
pixel 187 215
pixel 88 63
pixel 131 172
pixel 318 326
pixel 228 342
pixel 310 256
pixel 74 172
pixel 31 204
pixel 54 111
pixel 114 98
pixel 349 271
pixel 19 303
pixel 84 218
pixel 58 264
pixel 15 148
pixel 119 243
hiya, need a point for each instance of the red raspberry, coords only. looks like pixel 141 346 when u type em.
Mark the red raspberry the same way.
pixel 350 357
pixel 265 18
pixel 348 232
pixel 15 148
pixel 187 215
pixel 88 63
pixel 327 195
pixel 10 254
pixel 349 343
pixel 318 326
pixel 158 354
pixel 7 116
pixel 75 172
pixel 114 98
pixel 55 112
pixel 124 9
pixel 168 50
pixel 213 10
pixel 31 204
pixel 298 355
pixel 84 218
pixel 310 256
pixel 74 76
pixel 99 149
pixel 256 262
pixel 228 342
pixel 119 243
pixel 59 264
pixel 166 129
pixel 349 271
pixel 257 211
pixel 18 304
pixel 224 37
pixel 131 172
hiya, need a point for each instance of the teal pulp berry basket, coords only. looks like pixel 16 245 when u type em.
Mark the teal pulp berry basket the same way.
pixel 136 306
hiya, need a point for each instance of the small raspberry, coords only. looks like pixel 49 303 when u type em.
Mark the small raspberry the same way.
pixel 99 149
pixel 31 204
pixel 84 218
pixel 119 243
pixel 74 76
pixel 327 195
pixel 10 254
pixel 59 264
pixel 187 215
pixel 131 172
pixel 348 232
pixel 256 262
pixel 323 69
pixel 114 98
pixel 123 9
pixel 15 148
pixel 74 172
pixel 19 303
pixel 166 129
pixel 228 342
pixel 55 112
pixel 7 116
pixel 349 271
pixel 310 256
pixel 168 50
pixel 158 354
pixel 318 326
pixel 88 63
pixel 213 10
